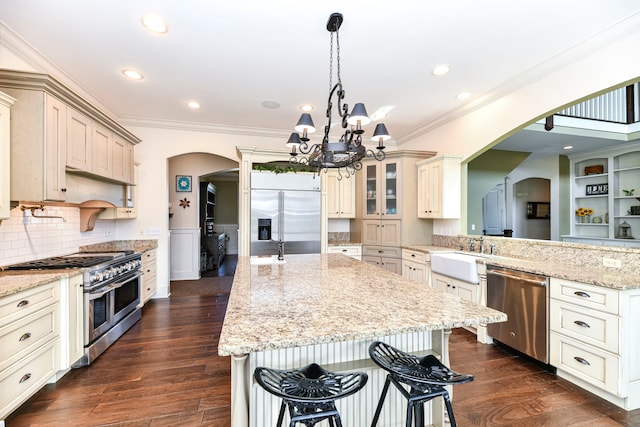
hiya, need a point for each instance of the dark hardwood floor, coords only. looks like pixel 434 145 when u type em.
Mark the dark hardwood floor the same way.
pixel 165 371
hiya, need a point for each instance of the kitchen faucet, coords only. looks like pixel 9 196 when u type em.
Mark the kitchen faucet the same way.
pixel 481 244
pixel 472 245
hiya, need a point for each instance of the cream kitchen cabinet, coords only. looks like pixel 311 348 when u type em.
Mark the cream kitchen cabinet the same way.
pixel 466 291
pixel 354 251
pixel 439 187
pixel 149 278
pixel 5 138
pixel 54 131
pixel 382 189
pixel 593 339
pixel 389 258
pixel 129 197
pixel 38 146
pixel 341 195
pixel 79 141
pixel 29 343
pixel 385 232
pixel 415 266
pixel 72 321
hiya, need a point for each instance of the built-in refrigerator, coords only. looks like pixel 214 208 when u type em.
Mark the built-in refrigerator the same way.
pixel 285 208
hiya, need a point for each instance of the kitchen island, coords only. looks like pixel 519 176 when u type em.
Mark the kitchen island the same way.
pixel 328 309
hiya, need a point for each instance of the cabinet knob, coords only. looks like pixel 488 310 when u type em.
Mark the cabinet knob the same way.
pixel 64 190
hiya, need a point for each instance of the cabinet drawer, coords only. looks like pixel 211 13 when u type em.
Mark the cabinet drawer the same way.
pixel 592 365
pixel 590 326
pixel 16 306
pixel 353 251
pixel 21 380
pixel 149 257
pixel 596 297
pixel 17 339
pixel 416 256
pixel 382 251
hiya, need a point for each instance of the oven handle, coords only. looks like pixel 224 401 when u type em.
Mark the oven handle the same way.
pixel 127 280
pixel 109 288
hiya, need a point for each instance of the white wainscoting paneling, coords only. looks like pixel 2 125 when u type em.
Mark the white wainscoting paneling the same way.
pixel 185 254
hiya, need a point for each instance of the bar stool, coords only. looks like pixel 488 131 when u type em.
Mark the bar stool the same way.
pixel 425 376
pixel 309 392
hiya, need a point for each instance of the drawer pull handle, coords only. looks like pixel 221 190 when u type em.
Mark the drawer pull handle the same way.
pixel 344 250
pixel 25 336
pixel 24 378
pixel 413 255
pixel 581 323
pixel 380 252
pixel 583 361
pixel 23 303
pixel 582 294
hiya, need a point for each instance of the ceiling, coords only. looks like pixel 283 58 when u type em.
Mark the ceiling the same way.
pixel 233 56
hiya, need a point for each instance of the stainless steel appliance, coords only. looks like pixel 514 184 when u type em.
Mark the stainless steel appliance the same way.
pixel 523 297
pixel 111 283
pixel 285 213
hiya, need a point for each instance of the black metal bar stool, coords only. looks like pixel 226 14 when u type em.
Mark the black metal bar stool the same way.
pixel 309 392
pixel 425 376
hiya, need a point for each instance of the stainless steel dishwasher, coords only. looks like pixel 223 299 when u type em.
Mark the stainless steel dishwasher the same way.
pixel 523 297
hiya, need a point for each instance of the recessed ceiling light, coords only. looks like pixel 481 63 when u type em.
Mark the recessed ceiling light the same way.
pixel 441 70
pixel 306 107
pixel 463 95
pixel 154 24
pixel 567 147
pixel 272 105
pixel 132 74
pixel 193 104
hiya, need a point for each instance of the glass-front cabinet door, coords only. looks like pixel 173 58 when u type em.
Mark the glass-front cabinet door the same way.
pixel 381 190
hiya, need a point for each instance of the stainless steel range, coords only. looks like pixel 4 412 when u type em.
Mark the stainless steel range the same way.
pixel 111 282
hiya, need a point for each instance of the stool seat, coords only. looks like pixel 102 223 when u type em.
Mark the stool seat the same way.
pixel 309 392
pixel 425 376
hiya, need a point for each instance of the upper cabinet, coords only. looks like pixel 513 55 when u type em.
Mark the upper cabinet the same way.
pixel 605 194
pixel 439 187
pixel 382 185
pixel 5 116
pixel 341 195
pixel 55 131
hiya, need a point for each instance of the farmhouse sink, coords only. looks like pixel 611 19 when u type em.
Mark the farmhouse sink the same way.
pixel 459 266
pixel 265 260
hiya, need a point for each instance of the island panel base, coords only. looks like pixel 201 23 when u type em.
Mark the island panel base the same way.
pixel 355 410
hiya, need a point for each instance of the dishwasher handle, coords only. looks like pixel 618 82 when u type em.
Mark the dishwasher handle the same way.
pixel 519 275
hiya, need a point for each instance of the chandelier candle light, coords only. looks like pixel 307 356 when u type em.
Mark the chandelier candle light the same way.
pixel 348 151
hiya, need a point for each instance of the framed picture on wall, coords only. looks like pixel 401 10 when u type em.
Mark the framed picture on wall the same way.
pixel 183 183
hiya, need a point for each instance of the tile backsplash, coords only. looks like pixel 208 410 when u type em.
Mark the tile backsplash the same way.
pixel 25 238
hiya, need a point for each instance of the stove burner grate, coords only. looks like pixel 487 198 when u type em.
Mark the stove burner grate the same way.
pixel 60 262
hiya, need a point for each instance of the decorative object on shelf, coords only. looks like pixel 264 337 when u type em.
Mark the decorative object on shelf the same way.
pixel 184 203
pixel 597 189
pixel 348 151
pixel 594 170
pixel 624 231
pixel 629 192
pixel 606 218
pixel 596 219
pixel 584 215
pixel 634 210
pixel 183 183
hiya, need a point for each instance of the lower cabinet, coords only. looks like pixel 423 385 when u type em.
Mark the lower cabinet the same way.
pixel 387 257
pixel 149 278
pixel 466 291
pixel 29 343
pixel 593 339
pixel 415 266
pixel 354 251
pixel 72 321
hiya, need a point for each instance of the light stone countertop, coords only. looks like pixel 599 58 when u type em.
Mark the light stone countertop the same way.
pixel 18 281
pixel 313 299
pixel 583 274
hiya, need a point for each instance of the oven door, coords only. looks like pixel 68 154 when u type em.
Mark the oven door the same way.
pixel 126 296
pixel 110 304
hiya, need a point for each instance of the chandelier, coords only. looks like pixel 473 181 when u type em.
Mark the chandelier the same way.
pixel 348 151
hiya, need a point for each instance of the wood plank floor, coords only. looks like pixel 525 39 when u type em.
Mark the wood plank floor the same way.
pixel 165 371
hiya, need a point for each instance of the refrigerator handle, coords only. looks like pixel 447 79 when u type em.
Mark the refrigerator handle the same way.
pixel 281 216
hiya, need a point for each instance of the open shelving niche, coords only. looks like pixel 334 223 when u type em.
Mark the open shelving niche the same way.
pixel 620 171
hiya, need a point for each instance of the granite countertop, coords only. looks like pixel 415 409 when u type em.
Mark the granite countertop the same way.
pixel 12 282
pixel 142 245
pixel 582 274
pixel 313 299
pixel 343 243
